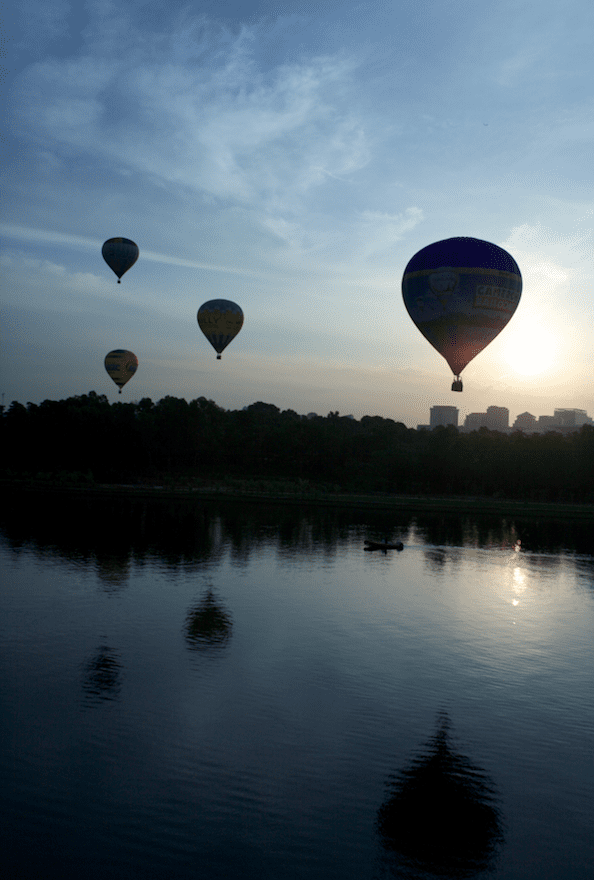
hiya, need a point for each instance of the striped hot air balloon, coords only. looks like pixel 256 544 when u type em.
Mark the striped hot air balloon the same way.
pixel 461 292
pixel 220 320
pixel 120 254
pixel 121 366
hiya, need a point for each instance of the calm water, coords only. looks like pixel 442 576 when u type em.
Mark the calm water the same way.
pixel 209 691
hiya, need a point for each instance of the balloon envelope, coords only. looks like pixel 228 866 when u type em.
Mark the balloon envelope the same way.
pixel 120 254
pixel 220 320
pixel 461 292
pixel 121 366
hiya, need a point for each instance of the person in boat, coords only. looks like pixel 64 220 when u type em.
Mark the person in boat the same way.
pixel 378 545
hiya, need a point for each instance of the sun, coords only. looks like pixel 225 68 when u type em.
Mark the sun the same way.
pixel 530 350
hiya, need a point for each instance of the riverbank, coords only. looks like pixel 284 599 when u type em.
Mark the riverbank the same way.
pixel 263 491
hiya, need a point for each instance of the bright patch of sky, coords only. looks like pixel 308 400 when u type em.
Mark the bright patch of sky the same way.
pixel 293 157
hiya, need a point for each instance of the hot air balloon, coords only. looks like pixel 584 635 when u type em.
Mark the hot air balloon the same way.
pixel 461 292
pixel 121 366
pixel 220 320
pixel 120 254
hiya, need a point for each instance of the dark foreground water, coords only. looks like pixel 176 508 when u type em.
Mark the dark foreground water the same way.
pixel 208 691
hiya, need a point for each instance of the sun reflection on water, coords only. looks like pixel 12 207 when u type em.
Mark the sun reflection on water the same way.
pixel 519 581
pixel 518 577
pixel 519 585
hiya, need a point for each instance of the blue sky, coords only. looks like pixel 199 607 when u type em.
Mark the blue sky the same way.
pixel 292 157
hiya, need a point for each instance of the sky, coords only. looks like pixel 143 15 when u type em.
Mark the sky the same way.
pixel 292 157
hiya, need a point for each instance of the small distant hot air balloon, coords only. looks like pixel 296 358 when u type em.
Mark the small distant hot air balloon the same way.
pixel 461 292
pixel 120 254
pixel 121 366
pixel 220 320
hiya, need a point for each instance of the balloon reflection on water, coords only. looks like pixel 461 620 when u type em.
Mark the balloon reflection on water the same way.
pixel 208 625
pixel 102 675
pixel 441 816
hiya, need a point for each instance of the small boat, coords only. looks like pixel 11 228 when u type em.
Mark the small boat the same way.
pixel 383 545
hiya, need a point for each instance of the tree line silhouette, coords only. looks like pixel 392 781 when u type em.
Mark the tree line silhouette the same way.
pixel 86 438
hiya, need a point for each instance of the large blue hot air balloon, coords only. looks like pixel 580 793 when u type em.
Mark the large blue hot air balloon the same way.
pixel 120 254
pixel 220 320
pixel 461 292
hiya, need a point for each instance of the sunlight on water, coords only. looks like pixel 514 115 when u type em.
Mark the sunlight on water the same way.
pixel 245 692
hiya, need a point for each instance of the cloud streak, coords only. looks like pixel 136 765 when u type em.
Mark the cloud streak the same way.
pixel 40 236
pixel 201 115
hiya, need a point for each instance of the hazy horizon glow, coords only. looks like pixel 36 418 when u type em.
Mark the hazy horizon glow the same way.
pixel 293 159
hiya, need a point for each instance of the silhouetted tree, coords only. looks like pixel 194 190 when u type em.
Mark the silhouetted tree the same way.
pixel 126 442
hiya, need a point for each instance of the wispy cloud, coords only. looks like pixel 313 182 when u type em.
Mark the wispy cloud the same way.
pixel 383 230
pixel 40 236
pixel 552 253
pixel 41 22
pixel 191 107
pixel 557 276
pixel 522 63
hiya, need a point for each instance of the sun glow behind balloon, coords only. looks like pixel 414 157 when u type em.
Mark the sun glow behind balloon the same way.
pixel 530 350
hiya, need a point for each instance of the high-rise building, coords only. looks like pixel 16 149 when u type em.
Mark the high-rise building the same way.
pixel 443 415
pixel 525 422
pixel 571 417
pixel 547 423
pixel 498 418
pixel 474 421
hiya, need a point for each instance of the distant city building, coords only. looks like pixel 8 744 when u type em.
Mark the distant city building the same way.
pixel 547 423
pixel 474 421
pixel 564 421
pixel 571 417
pixel 423 427
pixel 443 415
pixel 498 418
pixel 525 422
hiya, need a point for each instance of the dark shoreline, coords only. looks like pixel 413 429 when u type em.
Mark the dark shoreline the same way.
pixel 316 497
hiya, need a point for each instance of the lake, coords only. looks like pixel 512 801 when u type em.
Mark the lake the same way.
pixel 197 689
